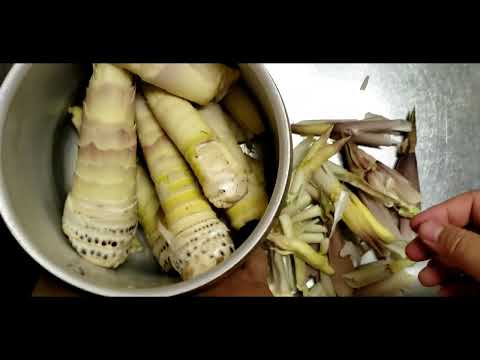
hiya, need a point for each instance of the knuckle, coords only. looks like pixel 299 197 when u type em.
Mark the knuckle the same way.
pixel 454 241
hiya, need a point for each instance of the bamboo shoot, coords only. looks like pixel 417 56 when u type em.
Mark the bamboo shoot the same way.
pixel 200 240
pixel 243 109
pixel 100 212
pixel 253 205
pixel 150 215
pixel 221 176
pixel 199 83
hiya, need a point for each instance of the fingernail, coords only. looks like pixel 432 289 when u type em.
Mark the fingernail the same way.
pixel 430 231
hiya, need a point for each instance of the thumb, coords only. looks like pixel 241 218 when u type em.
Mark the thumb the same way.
pixel 455 245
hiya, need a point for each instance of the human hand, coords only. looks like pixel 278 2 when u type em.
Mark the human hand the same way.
pixel 445 235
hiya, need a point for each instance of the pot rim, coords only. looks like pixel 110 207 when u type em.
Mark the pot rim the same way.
pixel 8 91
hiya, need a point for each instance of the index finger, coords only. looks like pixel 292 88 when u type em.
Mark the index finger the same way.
pixel 458 211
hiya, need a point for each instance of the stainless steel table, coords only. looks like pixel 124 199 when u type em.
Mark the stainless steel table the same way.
pixel 447 101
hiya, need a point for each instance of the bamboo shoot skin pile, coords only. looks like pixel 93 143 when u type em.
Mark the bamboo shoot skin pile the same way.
pixel 221 176
pixel 100 213
pixel 373 202
pixel 342 265
pixel 200 240
pixel 407 166
pixel 199 83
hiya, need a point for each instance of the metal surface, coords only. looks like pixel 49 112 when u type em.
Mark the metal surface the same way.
pixel 37 153
pixel 447 101
pixel 446 97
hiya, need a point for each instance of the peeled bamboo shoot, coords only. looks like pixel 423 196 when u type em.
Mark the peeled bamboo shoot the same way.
pixel 100 212
pixel 252 206
pixel 222 178
pixel 200 240
pixel 199 83
pixel 150 215
pixel 244 110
